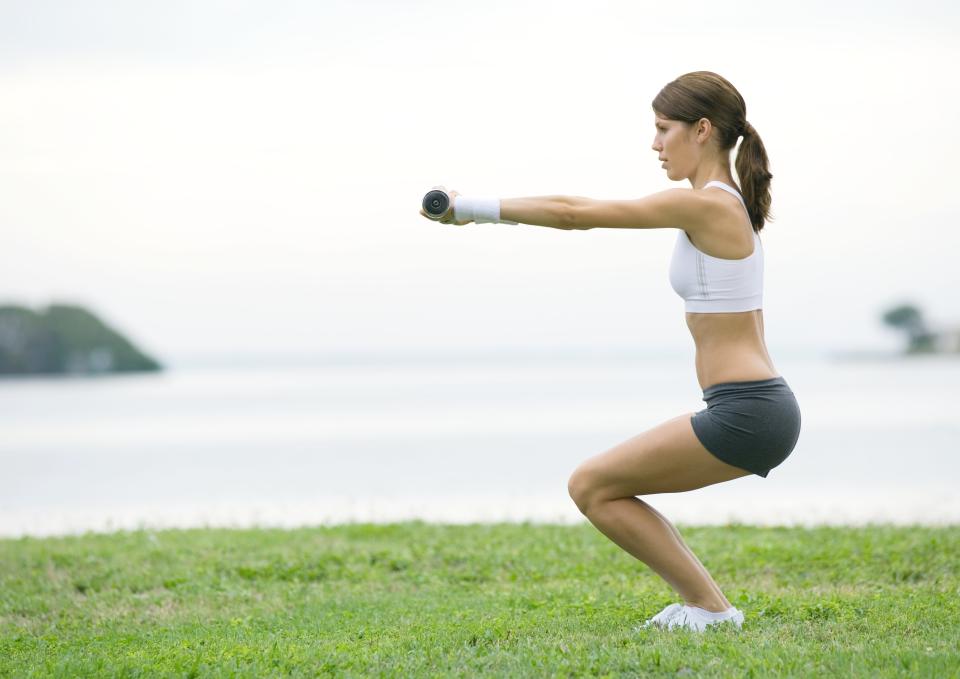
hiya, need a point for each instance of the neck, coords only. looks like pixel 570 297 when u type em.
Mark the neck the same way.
pixel 708 172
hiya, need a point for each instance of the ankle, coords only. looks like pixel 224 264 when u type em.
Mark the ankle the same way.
pixel 712 605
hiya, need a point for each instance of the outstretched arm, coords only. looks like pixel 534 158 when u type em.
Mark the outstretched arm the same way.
pixel 673 208
pixel 554 211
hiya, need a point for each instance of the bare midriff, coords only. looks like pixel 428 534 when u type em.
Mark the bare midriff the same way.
pixel 730 347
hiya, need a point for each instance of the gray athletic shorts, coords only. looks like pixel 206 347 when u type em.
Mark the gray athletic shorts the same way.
pixel 753 425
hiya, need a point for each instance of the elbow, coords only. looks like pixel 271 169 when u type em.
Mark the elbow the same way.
pixel 572 216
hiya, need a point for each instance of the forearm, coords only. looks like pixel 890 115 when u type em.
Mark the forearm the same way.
pixel 554 211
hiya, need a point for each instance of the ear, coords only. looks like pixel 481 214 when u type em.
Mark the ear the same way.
pixel 704 128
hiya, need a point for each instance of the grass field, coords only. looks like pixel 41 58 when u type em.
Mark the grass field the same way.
pixel 420 599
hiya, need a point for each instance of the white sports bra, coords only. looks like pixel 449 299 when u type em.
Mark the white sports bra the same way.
pixel 711 284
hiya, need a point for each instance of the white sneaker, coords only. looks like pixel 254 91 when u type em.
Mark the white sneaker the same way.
pixel 698 619
pixel 662 618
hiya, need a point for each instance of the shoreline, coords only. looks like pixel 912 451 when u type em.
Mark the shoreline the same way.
pixel 921 507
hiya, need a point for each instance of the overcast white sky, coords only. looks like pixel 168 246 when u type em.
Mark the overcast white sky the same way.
pixel 245 177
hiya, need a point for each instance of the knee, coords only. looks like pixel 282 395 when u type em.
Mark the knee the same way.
pixel 582 488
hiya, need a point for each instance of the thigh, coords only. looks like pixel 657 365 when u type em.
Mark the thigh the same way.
pixel 666 459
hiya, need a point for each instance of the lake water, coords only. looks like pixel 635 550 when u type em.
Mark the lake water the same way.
pixel 455 440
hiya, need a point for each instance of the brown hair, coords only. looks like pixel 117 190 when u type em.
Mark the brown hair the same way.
pixel 704 94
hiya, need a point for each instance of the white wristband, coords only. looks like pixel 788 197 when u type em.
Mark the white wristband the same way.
pixel 478 210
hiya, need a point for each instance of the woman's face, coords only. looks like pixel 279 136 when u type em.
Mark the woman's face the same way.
pixel 674 147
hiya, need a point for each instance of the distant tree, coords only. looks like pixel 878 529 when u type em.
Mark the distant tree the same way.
pixel 909 318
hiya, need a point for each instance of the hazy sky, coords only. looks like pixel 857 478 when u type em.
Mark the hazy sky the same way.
pixel 245 177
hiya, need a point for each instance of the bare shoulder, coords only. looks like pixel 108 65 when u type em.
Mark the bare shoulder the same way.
pixel 726 231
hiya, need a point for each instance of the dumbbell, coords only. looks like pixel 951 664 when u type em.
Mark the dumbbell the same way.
pixel 435 203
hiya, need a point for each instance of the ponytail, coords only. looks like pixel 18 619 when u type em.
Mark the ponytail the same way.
pixel 752 170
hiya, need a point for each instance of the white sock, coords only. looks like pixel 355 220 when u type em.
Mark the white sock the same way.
pixel 711 615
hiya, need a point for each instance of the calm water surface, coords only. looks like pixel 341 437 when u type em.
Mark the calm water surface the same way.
pixel 452 440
